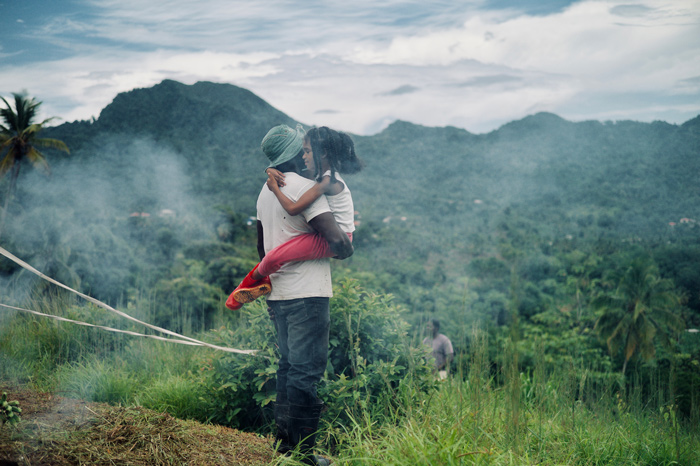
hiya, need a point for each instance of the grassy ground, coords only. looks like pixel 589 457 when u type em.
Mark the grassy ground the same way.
pixel 483 417
pixel 463 425
pixel 60 431
pixel 458 424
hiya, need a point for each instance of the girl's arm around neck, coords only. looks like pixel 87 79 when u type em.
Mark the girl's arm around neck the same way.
pixel 308 198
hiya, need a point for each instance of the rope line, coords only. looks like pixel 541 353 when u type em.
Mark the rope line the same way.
pixel 99 303
pixel 78 322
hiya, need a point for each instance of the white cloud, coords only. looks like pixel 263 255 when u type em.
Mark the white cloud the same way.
pixel 363 103
pixel 357 66
pixel 80 87
pixel 585 39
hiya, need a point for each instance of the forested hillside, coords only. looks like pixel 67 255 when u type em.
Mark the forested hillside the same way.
pixel 517 225
pixel 561 258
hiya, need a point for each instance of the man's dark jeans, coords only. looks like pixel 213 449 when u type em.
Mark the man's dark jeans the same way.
pixel 302 334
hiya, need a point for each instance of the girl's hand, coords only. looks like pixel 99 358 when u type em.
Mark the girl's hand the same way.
pixel 275 180
pixel 272 183
pixel 274 176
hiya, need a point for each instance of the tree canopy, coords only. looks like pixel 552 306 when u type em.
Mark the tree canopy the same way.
pixel 19 141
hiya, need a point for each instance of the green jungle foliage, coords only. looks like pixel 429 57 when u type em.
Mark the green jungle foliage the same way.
pixel 391 411
pixel 525 233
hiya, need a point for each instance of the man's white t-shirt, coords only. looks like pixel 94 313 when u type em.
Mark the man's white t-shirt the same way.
pixel 294 280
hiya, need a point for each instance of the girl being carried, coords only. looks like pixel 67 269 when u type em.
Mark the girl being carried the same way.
pixel 327 153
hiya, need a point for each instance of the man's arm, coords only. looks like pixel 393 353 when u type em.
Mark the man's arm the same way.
pixel 261 241
pixel 327 227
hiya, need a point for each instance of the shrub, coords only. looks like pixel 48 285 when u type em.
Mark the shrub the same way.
pixel 240 387
pixel 371 359
pixel 371 367
pixel 185 302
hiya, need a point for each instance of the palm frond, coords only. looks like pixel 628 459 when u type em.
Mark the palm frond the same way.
pixel 26 108
pixel 637 309
pixel 29 131
pixel 48 120
pixel 7 162
pixel 8 116
pixel 51 144
pixel 19 135
pixel 37 159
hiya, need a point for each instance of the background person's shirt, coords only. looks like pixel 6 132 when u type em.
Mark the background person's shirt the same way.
pixel 303 279
pixel 442 346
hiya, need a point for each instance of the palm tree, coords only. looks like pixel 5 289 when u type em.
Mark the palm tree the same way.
pixel 18 137
pixel 641 306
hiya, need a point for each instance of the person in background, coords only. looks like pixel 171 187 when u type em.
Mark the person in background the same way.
pixel 441 346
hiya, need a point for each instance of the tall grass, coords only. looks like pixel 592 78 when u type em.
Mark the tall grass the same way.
pixel 487 413
pixel 96 365
pixel 33 348
pixel 535 420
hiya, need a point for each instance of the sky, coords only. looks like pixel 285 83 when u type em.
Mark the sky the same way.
pixel 358 66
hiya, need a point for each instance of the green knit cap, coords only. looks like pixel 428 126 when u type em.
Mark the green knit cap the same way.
pixel 282 144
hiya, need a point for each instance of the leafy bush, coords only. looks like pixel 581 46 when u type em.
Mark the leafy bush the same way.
pixel 371 362
pixel 371 358
pixel 227 272
pixel 240 387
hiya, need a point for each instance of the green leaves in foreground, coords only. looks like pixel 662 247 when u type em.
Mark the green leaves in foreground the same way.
pixel 372 363
pixel 9 411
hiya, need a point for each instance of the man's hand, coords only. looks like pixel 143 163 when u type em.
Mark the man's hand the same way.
pixel 327 227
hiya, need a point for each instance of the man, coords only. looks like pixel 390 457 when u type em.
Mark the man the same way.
pixel 300 297
pixel 442 348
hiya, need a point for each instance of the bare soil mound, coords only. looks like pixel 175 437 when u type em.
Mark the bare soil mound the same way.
pixel 61 431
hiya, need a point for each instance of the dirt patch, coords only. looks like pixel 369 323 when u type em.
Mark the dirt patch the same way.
pixel 61 431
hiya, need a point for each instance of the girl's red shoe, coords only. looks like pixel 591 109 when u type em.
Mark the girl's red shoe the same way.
pixel 232 304
pixel 249 290
pixel 246 294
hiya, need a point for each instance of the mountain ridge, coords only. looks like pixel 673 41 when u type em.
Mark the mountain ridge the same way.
pixel 439 197
pixel 629 176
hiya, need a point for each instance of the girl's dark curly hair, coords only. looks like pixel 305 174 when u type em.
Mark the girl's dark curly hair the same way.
pixel 338 149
